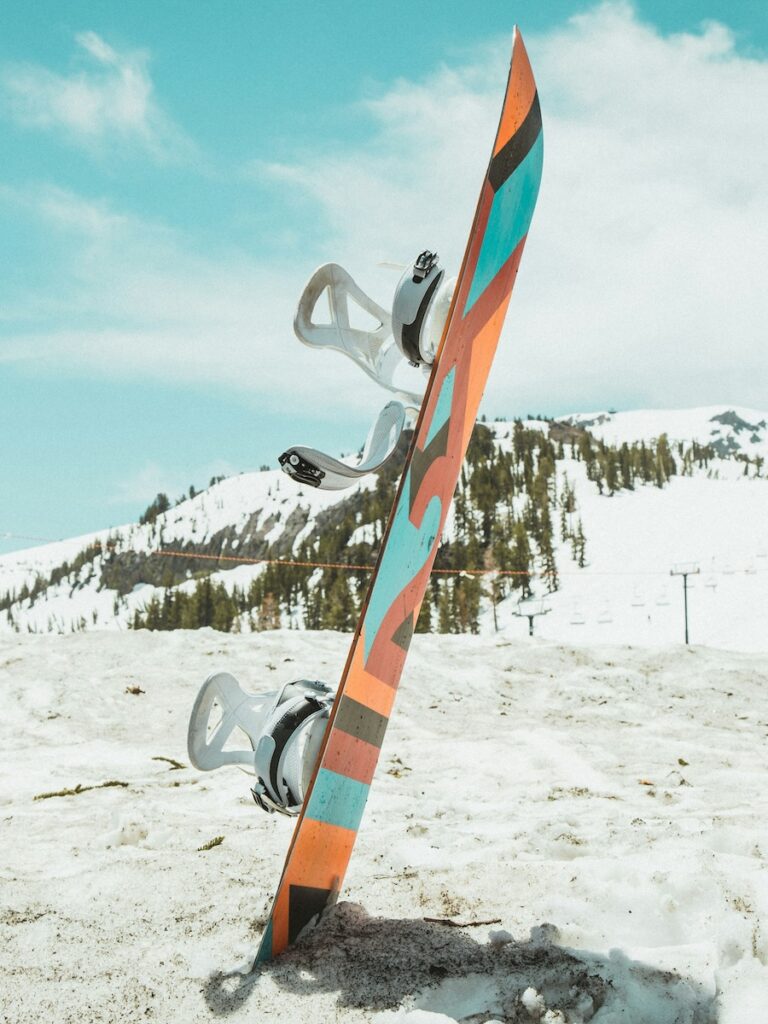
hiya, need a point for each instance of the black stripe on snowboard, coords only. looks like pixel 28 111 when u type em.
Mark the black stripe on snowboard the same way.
pixel 516 150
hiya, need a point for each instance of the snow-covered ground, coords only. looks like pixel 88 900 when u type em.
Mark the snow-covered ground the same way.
pixel 727 428
pixel 604 806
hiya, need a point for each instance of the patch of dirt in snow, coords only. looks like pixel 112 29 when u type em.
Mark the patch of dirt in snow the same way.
pixel 420 970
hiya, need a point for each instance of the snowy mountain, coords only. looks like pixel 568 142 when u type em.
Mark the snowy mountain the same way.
pixel 727 430
pixel 707 508
pixel 264 510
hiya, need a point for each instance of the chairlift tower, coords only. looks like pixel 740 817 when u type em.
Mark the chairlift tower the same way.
pixel 685 569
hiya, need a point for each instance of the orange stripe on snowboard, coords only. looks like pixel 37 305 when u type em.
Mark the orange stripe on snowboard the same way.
pixel 350 756
pixel 366 688
pixel 522 89
pixel 322 853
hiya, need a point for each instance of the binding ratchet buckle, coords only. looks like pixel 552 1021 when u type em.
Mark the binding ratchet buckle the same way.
pixel 300 469
pixel 266 803
pixel 425 263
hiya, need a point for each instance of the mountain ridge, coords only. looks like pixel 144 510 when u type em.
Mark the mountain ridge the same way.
pixel 110 579
pixel 729 429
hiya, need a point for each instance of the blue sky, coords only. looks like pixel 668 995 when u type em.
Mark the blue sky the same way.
pixel 172 172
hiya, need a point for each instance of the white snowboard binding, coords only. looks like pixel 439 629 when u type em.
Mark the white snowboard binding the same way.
pixel 276 735
pixel 407 339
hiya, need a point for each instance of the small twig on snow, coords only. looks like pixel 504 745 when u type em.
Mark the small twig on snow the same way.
pixel 76 790
pixel 171 761
pixel 461 924
pixel 216 841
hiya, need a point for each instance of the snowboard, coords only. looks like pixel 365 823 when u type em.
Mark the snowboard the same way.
pixel 327 827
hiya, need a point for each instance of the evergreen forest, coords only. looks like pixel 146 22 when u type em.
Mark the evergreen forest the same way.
pixel 515 517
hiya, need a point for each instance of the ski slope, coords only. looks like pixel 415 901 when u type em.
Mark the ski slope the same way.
pixel 626 594
pixel 715 518
pixel 603 806
pixel 727 428
pixel 260 504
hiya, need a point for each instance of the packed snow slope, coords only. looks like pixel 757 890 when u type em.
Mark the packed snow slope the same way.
pixel 713 517
pixel 729 430
pixel 593 818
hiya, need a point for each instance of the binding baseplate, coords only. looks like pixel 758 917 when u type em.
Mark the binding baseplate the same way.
pixel 276 736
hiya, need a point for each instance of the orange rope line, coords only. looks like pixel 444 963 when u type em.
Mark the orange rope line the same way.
pixel 242 560
pixel 446 572
pixel 264 561
pixel 334 565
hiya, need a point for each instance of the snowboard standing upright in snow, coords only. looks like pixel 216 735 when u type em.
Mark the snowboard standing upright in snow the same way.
pixel 321 772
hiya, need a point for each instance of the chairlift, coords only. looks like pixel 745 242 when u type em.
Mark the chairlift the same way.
pixel 662 598
pixel 605 616
pixel 530 608
pixel 577 616
pixel 711 582
pixel 638 598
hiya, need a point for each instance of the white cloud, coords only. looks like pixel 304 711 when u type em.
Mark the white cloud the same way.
pixel 643 276
pixel 134 299
pixel 110 98
pixel 642 282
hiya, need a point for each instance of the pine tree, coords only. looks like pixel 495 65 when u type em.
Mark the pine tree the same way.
pixel 579 546
pixel 445 623
pixel 339 611
pixel 520 559
pixel 424 620
pixel 664 463
pixel 547 552
pixel 269 613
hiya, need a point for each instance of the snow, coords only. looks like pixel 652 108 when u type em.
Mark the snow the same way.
pixel 706 424
pixel 635 538
pixel 714 518
pixel 623 595
pixel 600 808
pixel 735 427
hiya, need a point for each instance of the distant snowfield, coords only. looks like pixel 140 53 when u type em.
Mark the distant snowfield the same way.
pixel 606 804
pixel 717 518
pixel 624 595
pixel 735 427
pixel 634 538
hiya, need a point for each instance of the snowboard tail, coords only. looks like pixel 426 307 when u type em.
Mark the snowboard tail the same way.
pixel 327 828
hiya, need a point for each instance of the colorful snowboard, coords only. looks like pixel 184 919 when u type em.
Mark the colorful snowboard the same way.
pixel 326 830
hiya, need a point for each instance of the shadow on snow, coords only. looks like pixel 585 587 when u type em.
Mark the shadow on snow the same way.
pixel 381 964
